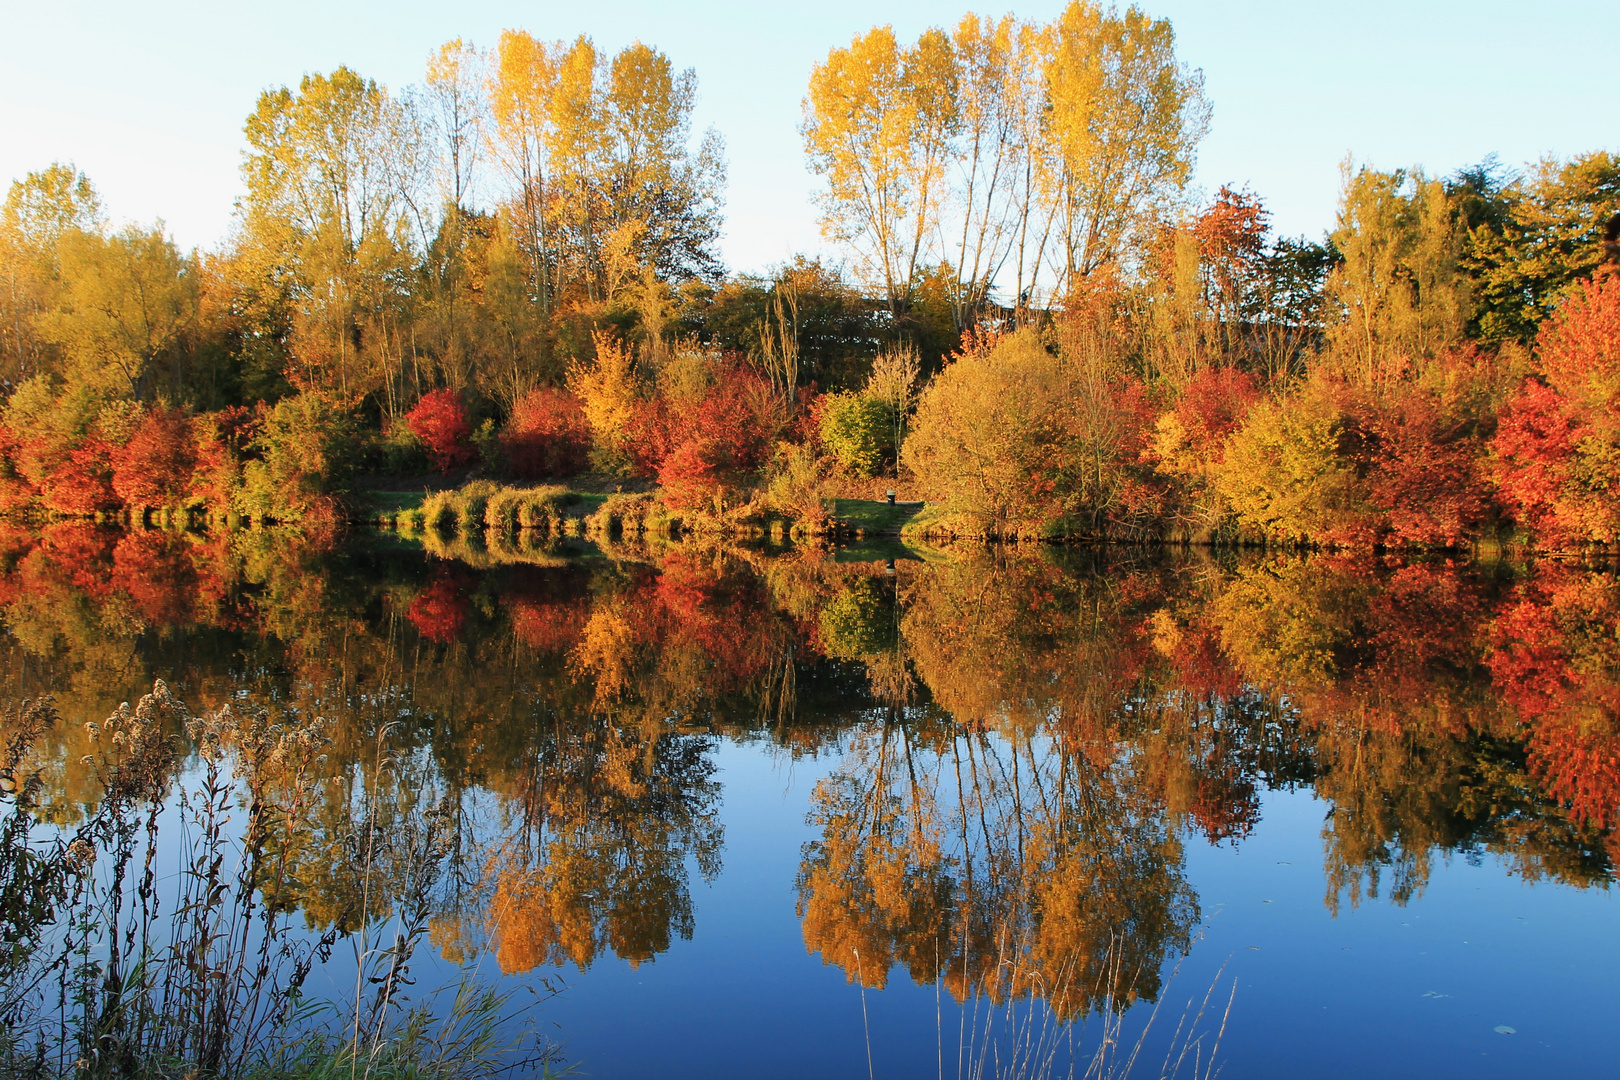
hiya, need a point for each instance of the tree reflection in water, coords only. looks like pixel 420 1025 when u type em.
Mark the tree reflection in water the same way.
pixel 1024 741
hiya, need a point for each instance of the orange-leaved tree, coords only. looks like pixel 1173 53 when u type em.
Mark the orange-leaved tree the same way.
pixel 1557 446
pixel 154 467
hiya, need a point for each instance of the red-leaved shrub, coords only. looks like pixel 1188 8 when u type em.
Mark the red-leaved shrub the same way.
pixel 547 435
pixel 154 467
pixel 440 421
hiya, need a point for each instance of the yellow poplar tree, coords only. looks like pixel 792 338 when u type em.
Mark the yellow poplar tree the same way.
pixel 877 126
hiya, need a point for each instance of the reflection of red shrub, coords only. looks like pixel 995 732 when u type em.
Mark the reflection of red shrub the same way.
pixel 440 421
pixel 440 611
pixel 154 570
pixel 1581 769
pixel 547 435
pixel 548 626
pixel 73 554
pixel 724 616
pixel 1554 651
pixel 154 467
pixel 1226 806
pixel 1202 666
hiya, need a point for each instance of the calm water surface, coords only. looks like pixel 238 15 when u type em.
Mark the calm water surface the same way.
pixel 800 813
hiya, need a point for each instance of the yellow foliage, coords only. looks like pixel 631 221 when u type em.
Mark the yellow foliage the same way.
pixel 607 389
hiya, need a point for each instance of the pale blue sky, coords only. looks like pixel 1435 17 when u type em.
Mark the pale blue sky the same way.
pixel 149 98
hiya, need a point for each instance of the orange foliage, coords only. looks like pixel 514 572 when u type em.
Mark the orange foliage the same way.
pixel 154 570
pixel 547 435
pixel 1579 351
pixel 1581 769
pixel 83 483
pixel 154 467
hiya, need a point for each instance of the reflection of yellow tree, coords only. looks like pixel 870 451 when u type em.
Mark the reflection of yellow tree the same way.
pixel 602 866
pixel 998 867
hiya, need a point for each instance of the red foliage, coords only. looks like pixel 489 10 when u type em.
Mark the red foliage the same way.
pixel 83 483
pixel 547 625
pixel 154 570
pixel 547 435
pixel 440 611
pixel 1579 351
pixel 648 436
pixel 723 615
pixel 1579 768
pixel 1556 443
pixel 440 421
pixel 737 416
pixel 1554 652
pixel 1231 237
pixel 735 423
pixel 1202 666
pixel 154 467
pixel 1214 405
pixel 1423 475
pixel 70 555
pixel 690 476
pixel 1226 805
pixel 1534 444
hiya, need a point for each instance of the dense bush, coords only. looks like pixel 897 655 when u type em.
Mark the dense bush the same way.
pixel 1557 447
pixel 1018 438
pixel 857 430
pixel 305 452
pixel 440 421
pixel 154 468
pixel 547 435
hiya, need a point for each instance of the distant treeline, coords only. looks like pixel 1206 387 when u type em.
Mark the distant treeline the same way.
pixel 512 271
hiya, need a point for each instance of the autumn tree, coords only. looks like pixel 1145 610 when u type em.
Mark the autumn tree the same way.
pixel 1400 293
pixel 610 196
pixel 303 456
pixel 1123 120
pixel 878 117
pixel 454 90
pixel 38 211
pixel 128 303
pixel 1532 236
pixel 334 175
pixel 1018 438
pixel 607 389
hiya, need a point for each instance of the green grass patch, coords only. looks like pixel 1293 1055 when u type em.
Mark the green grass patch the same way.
pixel 387 504
pixel 873 515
